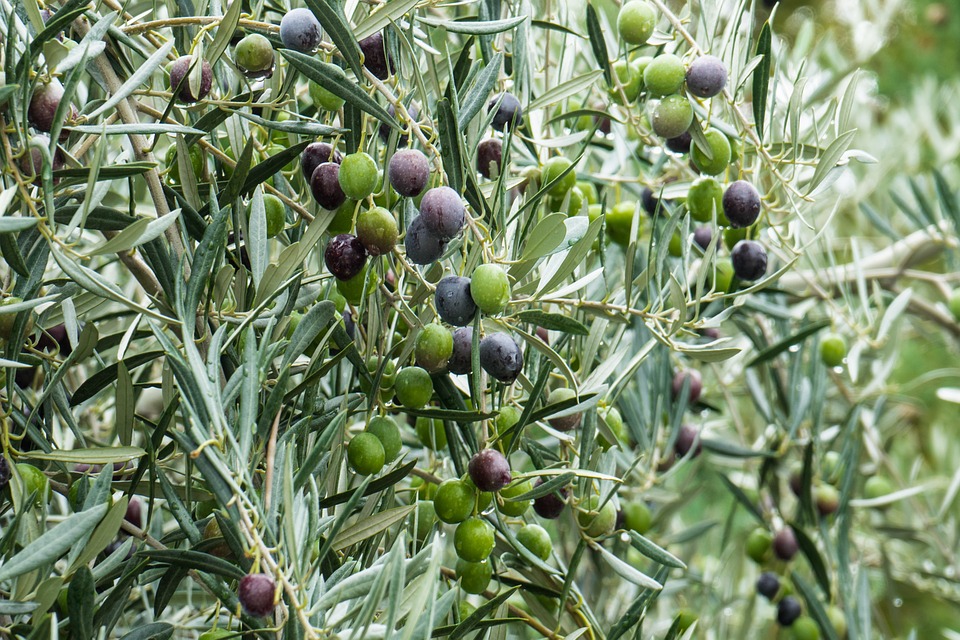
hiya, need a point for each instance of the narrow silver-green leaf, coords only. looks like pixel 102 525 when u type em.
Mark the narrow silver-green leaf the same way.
pixel 475 27
pixel 52 544
pixel 369 527
pixel 141 75
pixel 332 78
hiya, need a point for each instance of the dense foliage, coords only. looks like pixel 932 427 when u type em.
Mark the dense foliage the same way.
pixel 485 319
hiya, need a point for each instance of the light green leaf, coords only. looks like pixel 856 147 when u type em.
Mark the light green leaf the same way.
pixel 91 455
pixel 141 75
pixel 830 158
pixel 625 571
pixel 140 232
pixel 52 544
pixel 547 235
pixel 369 527
pixel 386 13
pixel 575 87
pixel 225 31
pixel 475 27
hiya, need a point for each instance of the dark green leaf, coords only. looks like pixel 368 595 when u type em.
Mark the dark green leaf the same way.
pixel 81 595
pixel 553 322
pixel 103 378
pixel 655 552
pixel 331 77
pixel 478 94
pixel 153 630
pixel 194 560
pixel 776 349
pixel 598 42
pixel 450 139
pixel 809 549
pixel 334 22
pixel 379 484
pixel 761 78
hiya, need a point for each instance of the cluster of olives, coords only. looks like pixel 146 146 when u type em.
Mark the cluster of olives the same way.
pixel 663 79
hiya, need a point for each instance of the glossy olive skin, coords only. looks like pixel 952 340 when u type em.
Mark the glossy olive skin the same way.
pixel 256 593
pixel 442 212
pixel 422 245
pixel 461 361
pixel 490 158
pixel 325 186
pixel 454 303
pixel 300 30
pixel 315 154
pixel 43 107
pixel 489 470
pixel 785 544
pixel 375 57
pixel 768 585
pixel 345 256
pixel 551 505
pixel 636 22
pixel 509 113
pixel 788 611
pixel 377 230
pixel 178 78
pixel 254 56
pixel 409 172
pixel 749 260
pixel 741 204
pixel 672 116
pixel 501 357
pixel 706 76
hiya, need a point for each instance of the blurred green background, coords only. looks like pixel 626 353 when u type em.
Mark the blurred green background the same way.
pixel 925 41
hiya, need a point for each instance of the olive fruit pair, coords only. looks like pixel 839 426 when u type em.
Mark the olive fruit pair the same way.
pixel 315 154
